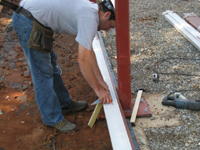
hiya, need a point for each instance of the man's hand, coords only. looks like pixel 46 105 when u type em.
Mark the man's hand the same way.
pixel 103 95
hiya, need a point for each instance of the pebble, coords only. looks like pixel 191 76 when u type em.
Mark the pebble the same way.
pixel 187 144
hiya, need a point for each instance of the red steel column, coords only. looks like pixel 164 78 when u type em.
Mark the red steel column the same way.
pixel 123 54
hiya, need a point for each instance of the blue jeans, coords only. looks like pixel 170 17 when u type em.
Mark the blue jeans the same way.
pixel 50 91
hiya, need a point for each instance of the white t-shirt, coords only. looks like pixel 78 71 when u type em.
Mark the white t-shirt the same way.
pixel 73 17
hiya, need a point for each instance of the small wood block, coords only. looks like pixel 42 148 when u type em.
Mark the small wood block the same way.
pixel 143 110
pixel 94 115
pixel 136 106
pixel 1 7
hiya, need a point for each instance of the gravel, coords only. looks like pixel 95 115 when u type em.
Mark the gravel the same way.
pixel 157 47
pixel 186 136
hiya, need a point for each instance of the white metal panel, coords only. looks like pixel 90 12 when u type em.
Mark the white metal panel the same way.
pixel 115 121
pixel 182 26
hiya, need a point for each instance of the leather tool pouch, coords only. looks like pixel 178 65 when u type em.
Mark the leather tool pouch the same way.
pixel 41 38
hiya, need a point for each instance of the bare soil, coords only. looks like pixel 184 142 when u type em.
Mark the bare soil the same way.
pixel 21 125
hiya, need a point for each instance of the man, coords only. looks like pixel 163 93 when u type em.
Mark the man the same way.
pixel 33 23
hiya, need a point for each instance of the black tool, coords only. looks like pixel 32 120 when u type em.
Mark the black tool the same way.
pixel 181 103
pixel 140 89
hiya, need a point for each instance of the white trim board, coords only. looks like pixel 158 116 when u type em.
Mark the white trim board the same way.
pixel 182 26
pixel 117 126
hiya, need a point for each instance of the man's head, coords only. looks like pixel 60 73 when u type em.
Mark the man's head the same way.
pixel 106 15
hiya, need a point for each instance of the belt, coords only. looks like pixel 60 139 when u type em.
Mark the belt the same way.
pixel 20 10
pixel 8 4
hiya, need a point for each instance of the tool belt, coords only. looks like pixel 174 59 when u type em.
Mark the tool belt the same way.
pixel 41 37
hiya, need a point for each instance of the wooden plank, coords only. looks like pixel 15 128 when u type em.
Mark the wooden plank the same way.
pixel 183 27
pixel 117 126
pixel 1 7
pixel 136 106
pixel 94 115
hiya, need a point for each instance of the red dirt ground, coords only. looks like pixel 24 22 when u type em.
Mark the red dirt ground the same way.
pixel 21 125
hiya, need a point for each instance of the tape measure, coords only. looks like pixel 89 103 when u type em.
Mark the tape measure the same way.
pixel 155 77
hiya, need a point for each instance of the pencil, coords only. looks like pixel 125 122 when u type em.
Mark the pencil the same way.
pixel 110 101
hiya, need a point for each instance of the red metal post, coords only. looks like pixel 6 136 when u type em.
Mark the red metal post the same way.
pixel 93 1
pixel 123 54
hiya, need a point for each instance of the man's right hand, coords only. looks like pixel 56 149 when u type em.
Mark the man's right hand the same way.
pixel 103 95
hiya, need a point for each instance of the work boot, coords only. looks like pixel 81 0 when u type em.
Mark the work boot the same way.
pixel 65 126
pixel 74 106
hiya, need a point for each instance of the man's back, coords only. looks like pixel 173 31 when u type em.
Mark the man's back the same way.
pixel 60 15
pixel 73 17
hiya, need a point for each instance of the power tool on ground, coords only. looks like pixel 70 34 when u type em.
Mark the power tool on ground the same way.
pixel 179 101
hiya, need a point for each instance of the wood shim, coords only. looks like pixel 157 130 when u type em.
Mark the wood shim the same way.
pixel 94 115
pixel 118 129
pixel 136 106
pixel 1 7
pixel 182 26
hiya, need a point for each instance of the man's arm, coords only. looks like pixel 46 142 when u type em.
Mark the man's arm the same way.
pixel 97 71
pixel 87 69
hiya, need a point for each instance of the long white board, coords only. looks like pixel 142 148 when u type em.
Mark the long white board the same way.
pixel 117 126
pixel 183 27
